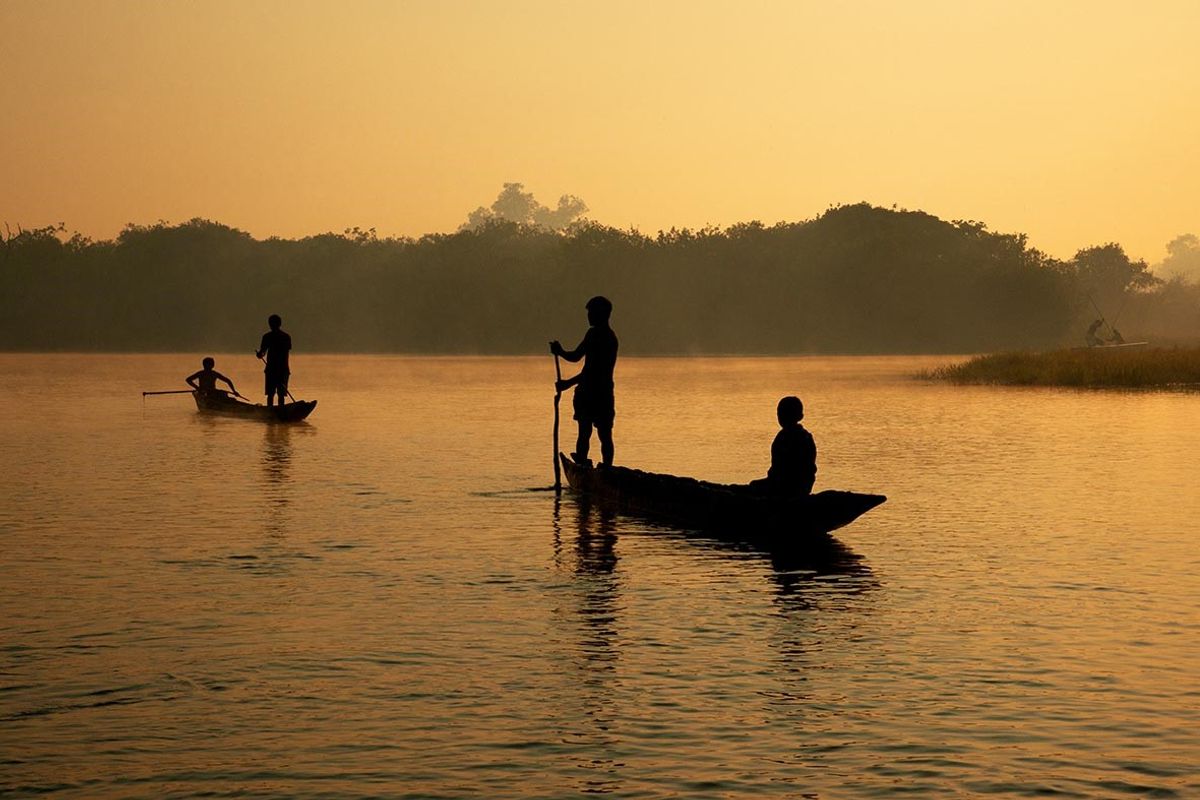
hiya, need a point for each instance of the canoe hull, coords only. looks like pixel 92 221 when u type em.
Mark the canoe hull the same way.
pixel 228 407
pixel 730 508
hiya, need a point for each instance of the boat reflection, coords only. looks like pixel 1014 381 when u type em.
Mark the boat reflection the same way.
pixel 805 572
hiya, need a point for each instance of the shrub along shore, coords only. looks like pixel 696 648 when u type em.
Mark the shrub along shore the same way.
pixel 1096 367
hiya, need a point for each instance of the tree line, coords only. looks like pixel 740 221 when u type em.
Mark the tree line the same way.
pixel 856 279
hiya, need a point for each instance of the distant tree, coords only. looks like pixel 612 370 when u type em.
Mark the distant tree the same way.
pixel 1108 269
pixel 514 204
pixel 1183 258
pixel 33 243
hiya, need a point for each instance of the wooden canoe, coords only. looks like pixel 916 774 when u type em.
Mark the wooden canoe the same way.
pixel 732 508
pixel 227 406
pixel 1113 346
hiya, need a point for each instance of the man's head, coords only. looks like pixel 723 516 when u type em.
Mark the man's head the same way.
pixel 599 309
pixel 790 410
pixel 274 322
pixel 208 362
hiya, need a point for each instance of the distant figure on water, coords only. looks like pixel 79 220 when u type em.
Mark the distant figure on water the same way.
pixel 1092 337
pixel 594 403
pixel 275 345
pixel 205 381
pixel 793 454
pixel 1116 337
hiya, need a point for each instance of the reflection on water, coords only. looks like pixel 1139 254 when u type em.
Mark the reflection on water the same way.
pixel 371 604
pixel 595 590
pixel 276 461
pixel 593 565
pixel 824 566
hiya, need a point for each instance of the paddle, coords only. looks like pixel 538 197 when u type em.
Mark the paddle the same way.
pixel 285 389
pixel 235 393
pixel 1092 300
pixel 557 397
pixel 557 487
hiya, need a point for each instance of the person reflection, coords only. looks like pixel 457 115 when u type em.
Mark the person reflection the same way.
pixel 597 591
pixel 276 463
pixel 595 563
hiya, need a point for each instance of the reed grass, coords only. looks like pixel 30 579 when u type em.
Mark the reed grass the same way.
pixel 1125 368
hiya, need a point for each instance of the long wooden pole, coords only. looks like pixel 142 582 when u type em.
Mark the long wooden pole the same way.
pixel 557 397
pixel 173 391
pixel 285 388
pixel 1098 311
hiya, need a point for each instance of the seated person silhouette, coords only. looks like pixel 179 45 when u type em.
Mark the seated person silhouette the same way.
pixel 1092 337
pixel 793 455
pixel 1116 337
pixel 205 381
pixel 594 403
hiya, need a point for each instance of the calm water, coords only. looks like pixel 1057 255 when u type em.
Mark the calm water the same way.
pixel 373 604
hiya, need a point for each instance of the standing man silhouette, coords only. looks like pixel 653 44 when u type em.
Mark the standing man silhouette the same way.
pixel 276 345
pixel 594 403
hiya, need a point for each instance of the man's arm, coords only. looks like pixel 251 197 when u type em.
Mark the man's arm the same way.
pixel 191 380
pixel 221 377
pixel 570 355
pixel 262 347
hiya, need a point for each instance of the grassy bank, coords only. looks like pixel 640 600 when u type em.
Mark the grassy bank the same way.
pixel 1127 368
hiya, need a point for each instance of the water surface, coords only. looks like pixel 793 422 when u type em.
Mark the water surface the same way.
pixel 374 604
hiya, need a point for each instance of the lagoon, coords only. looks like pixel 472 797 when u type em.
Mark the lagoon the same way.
pixel 374 603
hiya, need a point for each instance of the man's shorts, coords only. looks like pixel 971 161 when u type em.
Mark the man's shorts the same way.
pixel 594 409
pixel 276 384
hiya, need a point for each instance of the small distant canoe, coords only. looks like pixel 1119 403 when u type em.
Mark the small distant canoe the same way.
pixel 230 407
pixel 732 508
pixel 1113 346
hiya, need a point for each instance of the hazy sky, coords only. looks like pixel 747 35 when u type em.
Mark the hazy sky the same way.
pixel 1075 122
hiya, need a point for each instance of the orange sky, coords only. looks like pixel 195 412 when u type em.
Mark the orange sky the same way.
pixel 1075 122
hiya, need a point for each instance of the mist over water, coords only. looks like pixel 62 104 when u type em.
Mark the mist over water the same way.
pixel 372 603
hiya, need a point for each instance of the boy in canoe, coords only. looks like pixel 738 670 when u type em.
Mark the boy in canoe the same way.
pixel 594 403
pixel 793 454
pixel 205 381
pixel 275 345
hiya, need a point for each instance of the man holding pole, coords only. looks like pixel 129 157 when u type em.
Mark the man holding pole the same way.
pixel 275 345
pixel 594 403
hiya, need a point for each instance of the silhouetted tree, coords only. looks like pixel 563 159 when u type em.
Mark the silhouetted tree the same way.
pixel 856 279
pixel 514 204
pixel 1183 258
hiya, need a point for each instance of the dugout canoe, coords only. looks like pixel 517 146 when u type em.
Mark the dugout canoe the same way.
pixel 1114 346
pixel 733 508
pixel 227 406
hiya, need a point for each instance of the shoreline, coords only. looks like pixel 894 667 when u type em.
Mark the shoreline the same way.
pixel 1174 368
